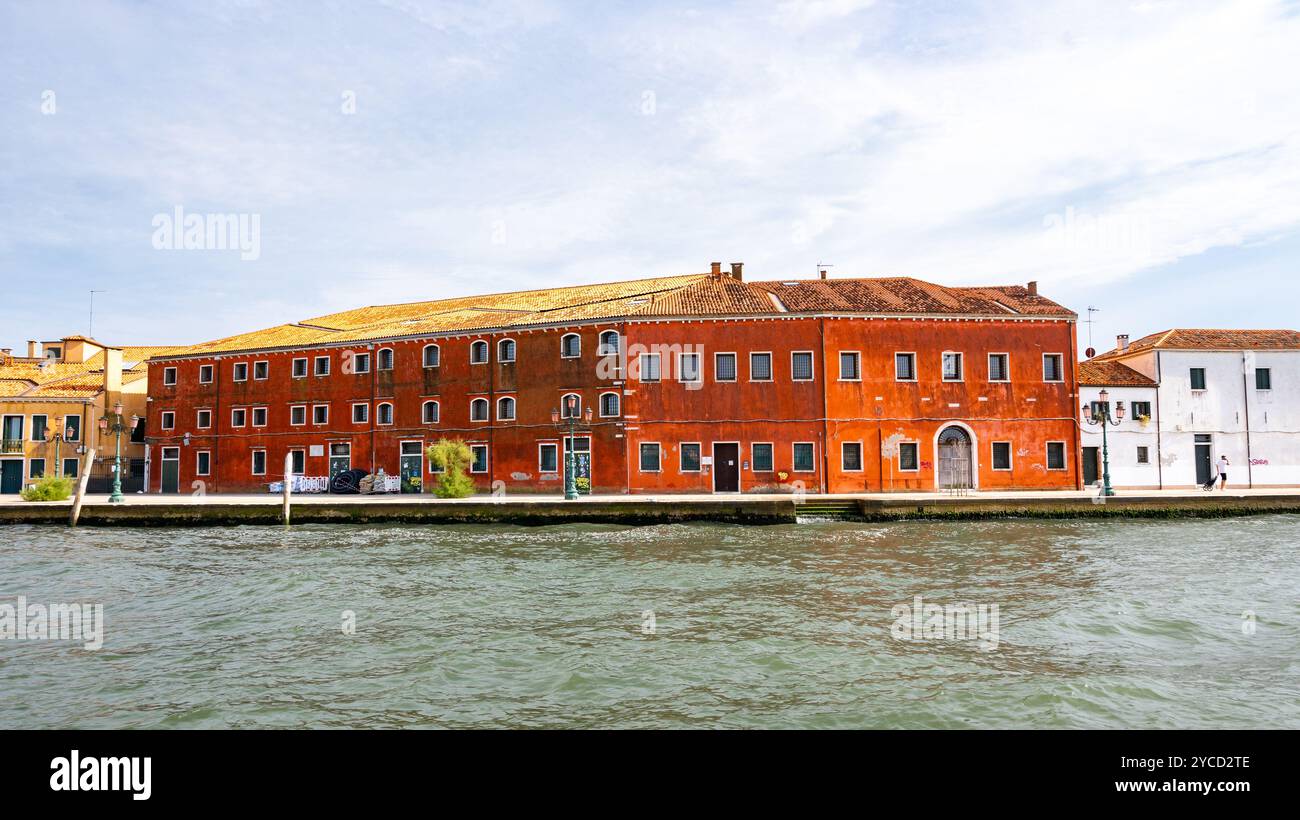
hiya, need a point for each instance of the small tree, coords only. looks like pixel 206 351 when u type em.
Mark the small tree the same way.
pixel 453 457
pixel 48 488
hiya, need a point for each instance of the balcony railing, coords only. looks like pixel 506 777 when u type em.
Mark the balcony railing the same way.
pixel 11 445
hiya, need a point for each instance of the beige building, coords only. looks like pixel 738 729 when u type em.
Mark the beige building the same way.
pixel 51 401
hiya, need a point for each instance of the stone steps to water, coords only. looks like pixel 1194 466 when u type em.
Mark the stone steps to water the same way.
pixel 827 509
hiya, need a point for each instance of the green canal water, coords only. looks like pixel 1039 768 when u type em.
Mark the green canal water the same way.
pixel 1100 624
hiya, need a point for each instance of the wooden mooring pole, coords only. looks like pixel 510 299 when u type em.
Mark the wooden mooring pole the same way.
pixel 82 480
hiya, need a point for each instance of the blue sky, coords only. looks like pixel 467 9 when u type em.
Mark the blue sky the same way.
pixel 1141 157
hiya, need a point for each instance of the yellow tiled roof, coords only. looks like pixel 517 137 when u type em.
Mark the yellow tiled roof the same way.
pixel 38 378
pixel 690 295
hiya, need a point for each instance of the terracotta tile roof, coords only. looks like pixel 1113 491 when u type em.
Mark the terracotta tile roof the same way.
pixel 39 378
pixel 1097 373
pixel 689 295
pixel 1210 339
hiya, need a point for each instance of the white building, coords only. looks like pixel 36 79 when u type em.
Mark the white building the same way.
pixel 1132 441
pixel 1234 393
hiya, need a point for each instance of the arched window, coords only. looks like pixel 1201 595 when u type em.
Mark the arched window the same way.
pixel 609 404
pixel 478 410
pixel 505 409
pixel 385 412
pixel 570 346
pixel 432 355
pixel 608 343
pixel 385 358
pixel 506 350
pixel 571 406
pixel 478 352
pixel 429 412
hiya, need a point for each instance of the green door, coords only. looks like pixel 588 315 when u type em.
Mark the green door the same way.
pixel 11 476
pixel 412 466
pixel 580 446
pixel 171 469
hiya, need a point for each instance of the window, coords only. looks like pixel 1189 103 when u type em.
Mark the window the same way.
pixel 1052 369
pixel 261 370
pixel 298 463
pixel 39 423
pixel 688 367
pixel 238 417
pixel 999 370
pixel 36 468
pixel 168 420
pixel 650 458
pixel 1263 378
pixel 259 462
pixel 760 367
pixel 851 456
pixel 1144 455
pixel 299 368
pixel 724 367
pixel 570 346
pixel 905 367
pixel 205 374
pixel 72 428
pixel 360 363
pixel 801 366
pixel 506 409
pixel 203 463
pixel 322 365
pixel 70 466
pixel 609 404
pixel 429 412
pixel 506 350
pixel 803 457
pixel 571 406
pixel 478 410
pixel 478 352
pixel 1056 455
pixel 1002 455
pixel 1198 378
pixel 360 413
pixel 385 413
pixel 480 463
pixel 548 458
pixel 690 458
pixel 259 416
pixel 169 376
pixel 952 367
pixel 385 358
pixel 608 343
pixel 850 366
pixel 320 414
pixel 1141 409
pixel 649 367
pixel 907 457
pixel 762 455
pixel 241 371
pixel 203 419
pixel 432 355
pixel 298 415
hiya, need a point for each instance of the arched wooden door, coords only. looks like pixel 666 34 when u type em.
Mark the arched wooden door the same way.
pixel 955 462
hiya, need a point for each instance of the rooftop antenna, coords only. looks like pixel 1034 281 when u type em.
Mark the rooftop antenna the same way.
pixel 821 269
pixel 91 331
pixel 1091 310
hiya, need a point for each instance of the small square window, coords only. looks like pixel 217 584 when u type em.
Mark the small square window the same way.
pixel 360 413
pixel 360 363
pixel 762 454
pixel 299 464
pixel 801 366
pixel 803 457
pixel 851 456
pixel 999 370
pixel 203 463
pixel 261 370
pixel 36 468
pixel 1002 455
pixel 259 462
pixel 850 366
pixel 1198 378
pixel 169 376
pixel 690 458
pixel 952 367
pixel 649 367
pixel 259 416
pixel 320 414
pixel 649 458
pixel 298 414
pixel 240 371
pixel 1263 378
pixel 905 367
pixel 760 367
pixel 724 367
pixel 205 374
pixel 548 458
pixel 688 367
pixel 1055 455
pixel 203 419
pixel 1144 455
pixel 1053 371
pixel 386 359
pixel 322 365
pixel 300 368
pixel 907 457
pixel 480 464
pixel 168 420
pixel 238 417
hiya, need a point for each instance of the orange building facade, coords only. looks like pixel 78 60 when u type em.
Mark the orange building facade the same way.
pixel 696 384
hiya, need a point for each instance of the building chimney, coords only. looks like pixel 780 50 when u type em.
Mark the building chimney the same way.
pixel 1033 288
pixel 715 268
pixel 1121 341
pixel 735 271
pixel 31 348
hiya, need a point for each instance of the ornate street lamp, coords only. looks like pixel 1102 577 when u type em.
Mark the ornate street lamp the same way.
pixel 1102 416
pixel 55 434
pixel 114 423
pixel 569 418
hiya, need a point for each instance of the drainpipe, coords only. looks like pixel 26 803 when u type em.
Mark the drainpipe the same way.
pixel 214 469
pixel 1075 403
pixel 825 477
pixel 1245 395
pixel 1160 455
pixel 374 391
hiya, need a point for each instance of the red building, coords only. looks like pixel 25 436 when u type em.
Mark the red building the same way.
pixel 698 383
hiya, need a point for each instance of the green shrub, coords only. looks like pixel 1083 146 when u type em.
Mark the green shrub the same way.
pixel 453 457
pixel 48 488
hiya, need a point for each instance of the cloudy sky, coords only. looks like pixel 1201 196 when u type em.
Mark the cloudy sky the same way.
pixel 1139 157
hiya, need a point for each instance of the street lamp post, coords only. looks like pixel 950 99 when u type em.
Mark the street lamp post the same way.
pixel 569 419
pixel 115 424
pixel 1102 416
pixel 55 434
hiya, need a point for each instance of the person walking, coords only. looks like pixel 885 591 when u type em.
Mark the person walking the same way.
pixel 1221 467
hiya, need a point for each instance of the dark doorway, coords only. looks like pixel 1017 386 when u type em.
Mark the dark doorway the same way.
pixel 11 475
pixel 1204 443
pixel 171 469
pixel 1090 471
pixel 726 468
